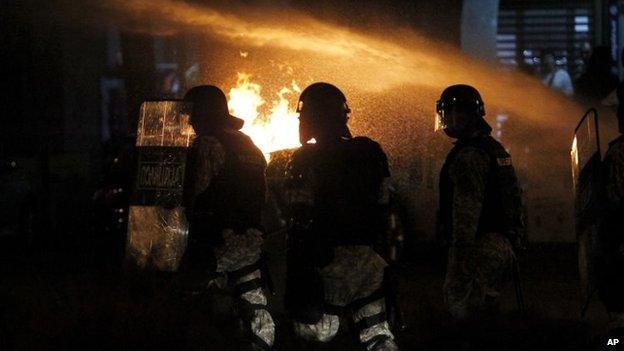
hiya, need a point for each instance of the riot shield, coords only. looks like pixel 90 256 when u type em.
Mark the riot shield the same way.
pixel 157 227
pixel 586 164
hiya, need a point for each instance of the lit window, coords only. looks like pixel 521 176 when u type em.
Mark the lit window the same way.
pixel 581 19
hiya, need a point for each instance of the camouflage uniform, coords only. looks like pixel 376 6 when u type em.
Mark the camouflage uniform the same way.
pixel 322 191
pixel 611 263
pixel 226 245
pixel 475 220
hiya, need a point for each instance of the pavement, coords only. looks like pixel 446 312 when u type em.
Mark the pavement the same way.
pixel 53 299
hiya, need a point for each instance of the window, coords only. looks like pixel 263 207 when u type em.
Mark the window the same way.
pixel 527 28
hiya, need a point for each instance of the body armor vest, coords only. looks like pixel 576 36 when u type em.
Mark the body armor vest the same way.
pixel 502 203
pixel 236 195
pixel 345 179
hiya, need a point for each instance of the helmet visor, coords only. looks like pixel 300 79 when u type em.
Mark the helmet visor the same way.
pixel 439 124
pixel 449 112
pixel 444 117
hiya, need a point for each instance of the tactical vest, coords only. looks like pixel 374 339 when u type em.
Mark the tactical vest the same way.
pixel 236 196
pixel 502 204
pixel 346 179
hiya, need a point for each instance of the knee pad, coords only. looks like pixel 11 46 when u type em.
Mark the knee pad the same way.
pixel 256 323
pixel 323 331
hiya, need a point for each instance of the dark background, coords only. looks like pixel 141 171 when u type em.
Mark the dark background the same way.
pixel 60 288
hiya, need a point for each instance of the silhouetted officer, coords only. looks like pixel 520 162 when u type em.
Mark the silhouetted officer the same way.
pixel 337 195
pixel 224 196
pixel 480 204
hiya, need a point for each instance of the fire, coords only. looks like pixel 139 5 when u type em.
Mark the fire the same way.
pixel 276 130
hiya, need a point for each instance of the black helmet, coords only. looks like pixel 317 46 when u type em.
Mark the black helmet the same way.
pixel 210 108
pixel 324 97
pixel 322 109
pixel 458 108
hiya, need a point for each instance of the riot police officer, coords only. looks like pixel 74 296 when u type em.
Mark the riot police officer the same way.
pixel 611 263
pixel 480 205
pixel 337 199
pixel 224 196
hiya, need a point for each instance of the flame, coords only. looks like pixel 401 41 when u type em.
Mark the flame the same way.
pixel 276 130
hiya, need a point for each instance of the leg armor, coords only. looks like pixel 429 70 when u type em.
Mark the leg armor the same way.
pixel 323 331
pixel 370 318
pixel 247 286
pixel 239 256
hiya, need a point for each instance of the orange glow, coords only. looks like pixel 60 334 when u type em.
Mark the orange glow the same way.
pixel 277 129
pixel 386 61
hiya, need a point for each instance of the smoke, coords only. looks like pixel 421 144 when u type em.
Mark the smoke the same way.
pixel 391 77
